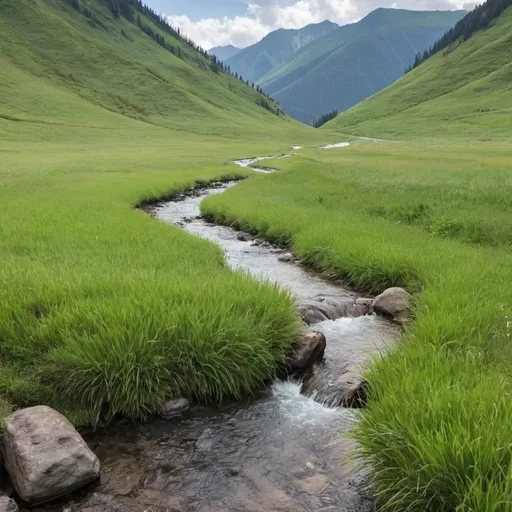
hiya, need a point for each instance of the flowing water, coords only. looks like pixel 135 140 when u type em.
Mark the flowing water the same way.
pixel 282 451
pixel 338 145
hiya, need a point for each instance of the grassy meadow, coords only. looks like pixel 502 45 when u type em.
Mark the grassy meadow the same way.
pixel 434 218
pixel 105 310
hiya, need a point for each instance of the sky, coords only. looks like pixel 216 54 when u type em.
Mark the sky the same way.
pixel 243 22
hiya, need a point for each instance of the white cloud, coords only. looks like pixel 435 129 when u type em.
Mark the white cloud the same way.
pixel 264 16
pixel 241 31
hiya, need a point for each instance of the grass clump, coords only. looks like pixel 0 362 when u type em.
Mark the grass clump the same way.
pixel 437 430
pixel 205 347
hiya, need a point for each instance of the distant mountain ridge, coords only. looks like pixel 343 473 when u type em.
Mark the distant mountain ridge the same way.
pixel 355 61
pixel 224 52
pixel 255 61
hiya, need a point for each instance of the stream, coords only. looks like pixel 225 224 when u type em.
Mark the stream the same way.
pixel 282 451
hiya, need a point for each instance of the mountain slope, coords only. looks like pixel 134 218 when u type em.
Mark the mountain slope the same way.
pixel 357 60
pixel 465 90
pixel 255 61
pixel 224 52
pixel 83 52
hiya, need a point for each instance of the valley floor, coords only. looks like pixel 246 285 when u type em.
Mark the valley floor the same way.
pixel 104 310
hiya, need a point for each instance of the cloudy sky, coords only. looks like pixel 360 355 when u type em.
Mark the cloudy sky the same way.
pixel 243 22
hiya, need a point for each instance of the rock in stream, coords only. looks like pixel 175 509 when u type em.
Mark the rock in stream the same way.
pixel 45 456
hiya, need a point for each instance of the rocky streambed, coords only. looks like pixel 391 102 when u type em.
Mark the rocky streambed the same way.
pixel 288 448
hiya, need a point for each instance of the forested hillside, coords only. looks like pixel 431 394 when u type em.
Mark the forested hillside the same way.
pixel 477 19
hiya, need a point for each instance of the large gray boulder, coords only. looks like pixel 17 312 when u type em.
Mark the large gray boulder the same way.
pixel 394 303
pixel 45 456
pixel 306 351
pixel 6 504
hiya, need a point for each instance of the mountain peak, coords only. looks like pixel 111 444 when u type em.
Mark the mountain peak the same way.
pixel 255 61
pixel 224 52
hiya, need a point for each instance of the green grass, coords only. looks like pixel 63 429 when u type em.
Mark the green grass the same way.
pixel 462 92
pixel 438 426
pixel 111 307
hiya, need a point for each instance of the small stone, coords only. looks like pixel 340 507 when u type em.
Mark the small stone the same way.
pixel 45 456
pixel 244 237
pixel 174 408
pixel 234 471
pixel 205 441
pixel 6 504
pixel 287 257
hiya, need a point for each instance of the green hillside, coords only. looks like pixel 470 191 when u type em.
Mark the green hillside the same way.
pixel 345 67
pixel 255 61
pixel 112 64
pixel 463 90
pixel 106 311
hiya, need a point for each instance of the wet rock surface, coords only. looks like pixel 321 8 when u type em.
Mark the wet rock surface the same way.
pixel 45 456
pixel 7 504
pixel 351 343
pixel 287 257
pixel 282 452
pixel 345 390
pixel 306 351
pixel 174 408
pixel 321 308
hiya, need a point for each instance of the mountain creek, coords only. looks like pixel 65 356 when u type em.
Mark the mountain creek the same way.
pixel 286 449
